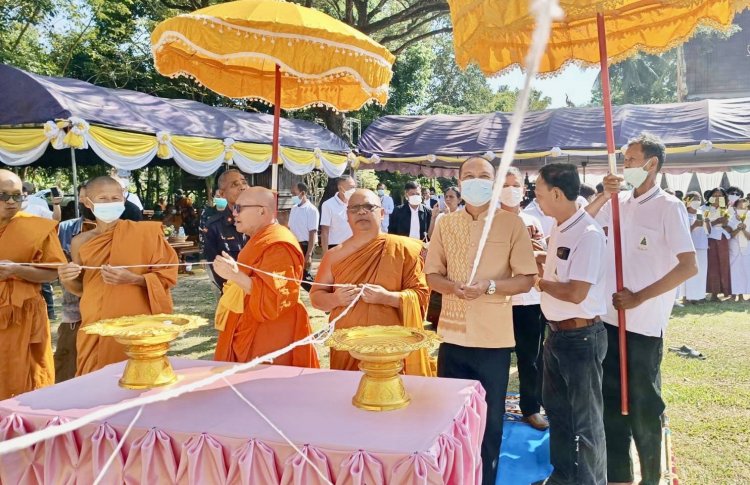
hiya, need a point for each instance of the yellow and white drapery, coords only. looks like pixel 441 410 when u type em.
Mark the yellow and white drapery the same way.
pixel 131 150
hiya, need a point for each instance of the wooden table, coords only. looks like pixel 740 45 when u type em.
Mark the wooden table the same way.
pixel 184 249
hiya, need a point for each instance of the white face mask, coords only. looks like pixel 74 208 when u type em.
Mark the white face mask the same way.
pixel 695 204
pixel 415 199
pixel 108 211
pixel 733 198
pixel 476 192
pixel 636 176
pixel 348 194
pixel 511 196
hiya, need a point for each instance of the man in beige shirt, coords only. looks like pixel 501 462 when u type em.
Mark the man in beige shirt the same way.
pixel 476 322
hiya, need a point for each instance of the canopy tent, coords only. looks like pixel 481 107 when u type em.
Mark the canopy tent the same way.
pixel 129 129
pixel 708 136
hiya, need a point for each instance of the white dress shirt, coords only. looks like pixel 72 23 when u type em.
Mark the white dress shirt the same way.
pixel 302 219
pixel 577 251
pixel 387 203
pixel 414 226
pixel 534 210
pixel 654 229
pixel 334 216
pixel 532 297
pixel 36 206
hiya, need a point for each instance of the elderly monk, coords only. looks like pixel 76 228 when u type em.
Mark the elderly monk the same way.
pixel 25 348
pixel 260 313
pixel 390 270
pixel 114 291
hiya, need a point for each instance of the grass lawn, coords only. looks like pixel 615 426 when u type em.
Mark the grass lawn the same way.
pixel 708 402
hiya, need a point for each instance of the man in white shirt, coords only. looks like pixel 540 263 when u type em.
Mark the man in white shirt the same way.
pixel 411 219
pixel 334 225
pixel 386 201
pixel 303 222
pixel 528 324
pixel 573 294
pixel 658 256
pixel 37 206
pixel 533 210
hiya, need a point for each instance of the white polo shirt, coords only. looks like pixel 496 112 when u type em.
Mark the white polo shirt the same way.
pixel 532 297
pixel 654 229
pixel 534 210
pixel 303 219
pixel 387 203
pixel 414 225
pixel 36 206
pixel 577 251
pixel 333 215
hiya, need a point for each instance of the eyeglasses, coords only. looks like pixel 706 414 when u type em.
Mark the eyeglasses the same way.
pixel 238 207
pixel 356 209
pixel 18 198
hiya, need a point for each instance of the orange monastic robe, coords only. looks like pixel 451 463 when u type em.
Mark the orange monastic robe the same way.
pixel 25 344
pixel 129 243
pixel 394 263
pixel 273 315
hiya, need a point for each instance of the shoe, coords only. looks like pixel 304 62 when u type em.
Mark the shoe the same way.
pixel 536 421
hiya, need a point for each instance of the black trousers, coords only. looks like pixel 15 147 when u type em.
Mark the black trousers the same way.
pixel 643 423
pixel 48 298
pixel 66 351
pixel 528 328
pixel 306 273
pixel 491 367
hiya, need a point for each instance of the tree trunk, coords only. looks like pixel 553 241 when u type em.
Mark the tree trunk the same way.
pixel 334 121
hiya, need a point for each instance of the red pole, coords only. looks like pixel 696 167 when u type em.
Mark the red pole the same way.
pixel 610 133
pixel 275 146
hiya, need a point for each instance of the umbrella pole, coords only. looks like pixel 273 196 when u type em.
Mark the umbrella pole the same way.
pixel 75 178
pixel 617 239
pixel 276 120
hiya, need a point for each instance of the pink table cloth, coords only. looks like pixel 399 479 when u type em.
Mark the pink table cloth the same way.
pixel 212 437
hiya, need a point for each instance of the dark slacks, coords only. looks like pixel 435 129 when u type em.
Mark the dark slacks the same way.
pixel 66 352
pixel 572 390
pixel 491 367
pixel 643 423
pixel 528 329
pixel 49 299
pixel 306 275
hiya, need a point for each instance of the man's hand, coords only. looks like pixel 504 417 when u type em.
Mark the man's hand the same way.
pixel 225 266
pixel 308 261
pixel 375 294
pixel 345 295
pixel 7 272
pixel 118 276
pixel 475 290
pixel 626 299
pixel 612 184
pixel 68 272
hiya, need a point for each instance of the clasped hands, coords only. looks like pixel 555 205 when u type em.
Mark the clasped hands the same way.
pixel 373 294
pixel 111 275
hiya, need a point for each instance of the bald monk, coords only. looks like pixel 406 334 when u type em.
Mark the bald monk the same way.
pixel 388 266
pixel 25 349
pixel 258 313
pixel 113 292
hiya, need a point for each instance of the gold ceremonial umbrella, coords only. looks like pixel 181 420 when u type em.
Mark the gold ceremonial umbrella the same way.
pixel 277 52
pixel 496 35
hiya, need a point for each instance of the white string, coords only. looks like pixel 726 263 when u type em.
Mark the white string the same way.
pixel 281 433
pixel 21 442
pixel 545 11
pixel 118 447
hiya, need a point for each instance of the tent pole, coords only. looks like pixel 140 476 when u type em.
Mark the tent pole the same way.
pixel 75 178
pixel 276 121
pixel 616 236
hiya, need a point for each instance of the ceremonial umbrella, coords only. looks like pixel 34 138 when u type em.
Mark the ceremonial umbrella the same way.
pixel 275 52
pixel 496 34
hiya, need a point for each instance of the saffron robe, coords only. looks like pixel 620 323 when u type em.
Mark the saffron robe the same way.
pixel 393 262
pixel 25 342
pixel 129 243
pixel 273 315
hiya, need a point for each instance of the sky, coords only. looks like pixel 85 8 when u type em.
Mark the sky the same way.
pixel 573 81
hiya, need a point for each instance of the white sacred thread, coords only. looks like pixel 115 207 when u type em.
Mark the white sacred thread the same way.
pixel 117 449
pixel 281 433
pixel 545 11
pixel 21 442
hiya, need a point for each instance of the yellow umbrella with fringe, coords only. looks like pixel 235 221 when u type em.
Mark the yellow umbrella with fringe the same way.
pixel 496 35
pixel 276 52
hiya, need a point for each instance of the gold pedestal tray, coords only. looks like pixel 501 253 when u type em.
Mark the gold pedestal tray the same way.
pixel 381 351
pixel 146 339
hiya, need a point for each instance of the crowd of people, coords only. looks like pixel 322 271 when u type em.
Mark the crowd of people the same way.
pixel 544 288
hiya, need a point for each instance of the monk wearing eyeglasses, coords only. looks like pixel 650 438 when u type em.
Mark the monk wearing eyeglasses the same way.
pixel 389 269
pixel 260 311
pixel 25 344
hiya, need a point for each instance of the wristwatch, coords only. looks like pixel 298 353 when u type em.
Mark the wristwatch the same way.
pixel 491 288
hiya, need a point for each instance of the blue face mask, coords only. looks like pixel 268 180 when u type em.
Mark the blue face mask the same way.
pixel 220 203
pixel 476 192
pixel 296 200
pixel 108 211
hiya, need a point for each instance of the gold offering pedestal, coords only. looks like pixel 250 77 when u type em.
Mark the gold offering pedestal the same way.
pixel 381 351
pixel 146 339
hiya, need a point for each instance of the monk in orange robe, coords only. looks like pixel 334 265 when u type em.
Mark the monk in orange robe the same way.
pixel 258 313
pixel 113 292
pixel 25 344
pixel 390 269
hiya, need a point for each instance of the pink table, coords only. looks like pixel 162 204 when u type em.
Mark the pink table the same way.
pixel 212 437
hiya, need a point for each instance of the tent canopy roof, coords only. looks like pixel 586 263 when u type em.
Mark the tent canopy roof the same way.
pixel 32 99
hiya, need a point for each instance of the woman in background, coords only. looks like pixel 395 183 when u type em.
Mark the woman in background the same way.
pixel 694 289
pixel 739 251
pixel 719 279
